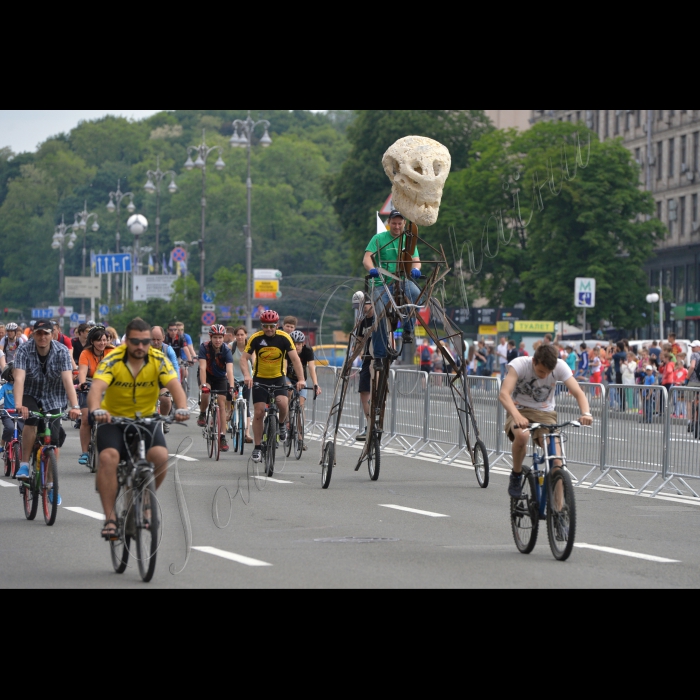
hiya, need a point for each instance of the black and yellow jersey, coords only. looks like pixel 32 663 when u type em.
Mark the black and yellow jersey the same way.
pixel 270 353
pixel 128 395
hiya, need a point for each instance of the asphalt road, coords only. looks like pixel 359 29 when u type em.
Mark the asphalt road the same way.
pixel 289 533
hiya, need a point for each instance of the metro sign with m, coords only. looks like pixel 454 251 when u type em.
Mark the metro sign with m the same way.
pixel 585 293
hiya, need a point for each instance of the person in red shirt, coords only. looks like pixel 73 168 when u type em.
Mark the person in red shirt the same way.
pixel 680 378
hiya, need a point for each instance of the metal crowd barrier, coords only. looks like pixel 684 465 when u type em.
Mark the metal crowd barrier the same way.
pixel 637 430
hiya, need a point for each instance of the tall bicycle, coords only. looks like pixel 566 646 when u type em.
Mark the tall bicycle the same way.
pixel 548 494
pixel 137 514
pixel 43 472
pixel 13 448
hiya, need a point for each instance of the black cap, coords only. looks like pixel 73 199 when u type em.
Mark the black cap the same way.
pixel 396 213
pixel 44 326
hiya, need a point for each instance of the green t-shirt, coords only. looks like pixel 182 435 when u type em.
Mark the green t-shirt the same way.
pixel 390 253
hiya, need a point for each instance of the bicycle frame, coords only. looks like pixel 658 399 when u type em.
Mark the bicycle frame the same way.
pixel 544 459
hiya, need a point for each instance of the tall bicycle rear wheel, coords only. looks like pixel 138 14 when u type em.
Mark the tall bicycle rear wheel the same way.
pixel 525 517
pixel 299 443
pixel 481 464
pixel 119 551
pixel 374 457
pixel 147 527
pixel 327 465
pixel 271 446
pixel 50 466
pixel 561 515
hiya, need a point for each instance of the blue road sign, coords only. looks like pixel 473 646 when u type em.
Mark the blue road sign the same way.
pixel 113 263
pixel 208 298
pixel 585 299
pixel 225 313
pixel 75 318
pixel 39 314
pixel 104 310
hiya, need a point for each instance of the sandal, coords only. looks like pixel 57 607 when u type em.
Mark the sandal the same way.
pixel 110 535
pixel 248 441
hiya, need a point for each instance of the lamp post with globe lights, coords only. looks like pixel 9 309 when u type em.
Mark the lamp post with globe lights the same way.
pixel 61 237
pixel 82 219
pixel 137 225
pixel 657 299
pixel 115 204
pixel 243 133
pixel 203 152
pixel 153 186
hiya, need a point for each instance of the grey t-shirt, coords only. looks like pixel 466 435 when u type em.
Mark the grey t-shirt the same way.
pixel 533 392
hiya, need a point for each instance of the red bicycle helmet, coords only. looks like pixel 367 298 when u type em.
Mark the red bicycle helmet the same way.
pixel 217 330
pixel 269 317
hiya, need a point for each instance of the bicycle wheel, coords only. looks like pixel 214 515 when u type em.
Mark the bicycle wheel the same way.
pixel 374 458
pixel 327 465
pixel 30 499
pixel 186 387
pixel 119 551
pixel 271 447
pixel 525 517
pixel 299 445
pixel 215 433
pixel 481 464
pixel 50 477
pixel 242 420
pixel 561 522
pixel 291 436
pixel 147 527
pixel 233 429
pixel 8 462
pixel 17 459
pixel 210 433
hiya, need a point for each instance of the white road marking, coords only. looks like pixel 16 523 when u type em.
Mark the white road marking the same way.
pixel 230 556
pixel 8 485
pixel 88 513
pixel 632 555
pixel 416 512
pixel 185 459
pixel 274 481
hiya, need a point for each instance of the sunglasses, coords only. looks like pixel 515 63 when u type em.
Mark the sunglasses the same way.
pixel 137 341
pixel 269 326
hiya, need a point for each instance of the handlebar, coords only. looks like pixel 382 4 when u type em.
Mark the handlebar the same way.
pixel 142 421
pixel 43 416
pixel 208 391
pixel 551 428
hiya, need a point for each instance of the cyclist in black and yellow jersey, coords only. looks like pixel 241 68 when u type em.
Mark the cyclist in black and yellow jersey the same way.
pixel 271 348
pixel 130 378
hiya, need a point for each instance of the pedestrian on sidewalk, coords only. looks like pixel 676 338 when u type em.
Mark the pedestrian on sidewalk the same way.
pixel 502 353
pixel 648 395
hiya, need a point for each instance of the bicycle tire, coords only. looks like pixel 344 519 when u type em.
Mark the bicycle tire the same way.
pixel 233 430
pixel 481 464
pixel 525 517
pixel 17 453
pixel 209 434
pixel 147 529
pixel 327 465
pixel 271 447
pixel 93 461
pixel 242 423
pixel 299 445
pixel 186 387
pixel 561 524
pixel 50 509
pixel 291 434
pixel 119 551
pixel 374 458
pixel 216 435
pixel 8 462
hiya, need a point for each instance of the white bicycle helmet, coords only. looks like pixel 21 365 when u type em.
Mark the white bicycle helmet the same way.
pixel 11 327
pixel 298 337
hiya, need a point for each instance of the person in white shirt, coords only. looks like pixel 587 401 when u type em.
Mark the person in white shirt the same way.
pixel 528 396
pixel 502 352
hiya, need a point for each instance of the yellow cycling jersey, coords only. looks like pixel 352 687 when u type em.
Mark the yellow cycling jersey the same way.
pixel 128 395
pixel 270 353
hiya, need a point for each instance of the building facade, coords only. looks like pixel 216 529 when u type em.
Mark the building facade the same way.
pixel 666 144
pixel 509 118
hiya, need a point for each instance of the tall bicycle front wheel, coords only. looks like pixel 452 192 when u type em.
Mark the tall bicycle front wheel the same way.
pixel 271 446
pixel 374 457
pixel 481 464
pixel 525 517
pixel 561 515
pixel 327 465
pixel 147 527
pixel 49 487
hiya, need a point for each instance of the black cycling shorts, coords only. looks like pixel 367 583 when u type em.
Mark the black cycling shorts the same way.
pixel 58 434
pixel 119 437
pixel 262 395
pixel 366 377
pixel 217 383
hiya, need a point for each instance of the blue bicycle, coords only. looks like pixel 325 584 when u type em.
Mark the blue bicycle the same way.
pixel 548 494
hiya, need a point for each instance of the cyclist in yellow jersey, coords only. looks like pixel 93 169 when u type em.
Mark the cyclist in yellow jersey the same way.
pixel 271 348
pixel 131 378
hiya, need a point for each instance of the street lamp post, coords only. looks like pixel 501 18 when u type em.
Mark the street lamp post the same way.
pixel 82 225
pixel 243 133
pixel 203 152
pixel 61 238
pixel 657 299
pixel 115 204
pixel 155 178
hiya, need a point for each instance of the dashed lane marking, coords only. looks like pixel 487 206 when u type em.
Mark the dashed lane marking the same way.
pixel 8 484
pixel 415 512
pixel 87 513
pixel 230 556
pixel 274 481
pixel 185 459
pixel 623 553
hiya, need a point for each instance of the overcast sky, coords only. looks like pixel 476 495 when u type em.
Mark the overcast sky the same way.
pixel 24 129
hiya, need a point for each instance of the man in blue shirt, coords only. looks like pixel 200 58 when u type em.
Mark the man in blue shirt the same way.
pixel 648 395
pixel 7 396
pixel 583 363
pixel 216 364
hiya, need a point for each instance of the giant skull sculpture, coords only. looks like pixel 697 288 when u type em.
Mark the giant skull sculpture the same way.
pixel 418 167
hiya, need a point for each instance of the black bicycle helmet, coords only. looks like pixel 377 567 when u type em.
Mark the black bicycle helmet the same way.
pixel 7 373
pixel 95 334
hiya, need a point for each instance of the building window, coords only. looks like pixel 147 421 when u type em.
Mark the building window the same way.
pixel 696 151
pixel 671 158
pixel 607 124
pixel 680 285
pixel 660 160
pixel 691 274
pixel 681 214
pixel 684 152
pixel 694 208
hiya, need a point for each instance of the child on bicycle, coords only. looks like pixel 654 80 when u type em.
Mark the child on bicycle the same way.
pixel 7 395
pixel 528 396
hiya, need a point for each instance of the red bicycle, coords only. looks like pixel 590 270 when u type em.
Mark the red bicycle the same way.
pixel 13 449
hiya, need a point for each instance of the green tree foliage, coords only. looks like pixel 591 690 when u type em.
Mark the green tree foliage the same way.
pixel 361 187
pixel 574 221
